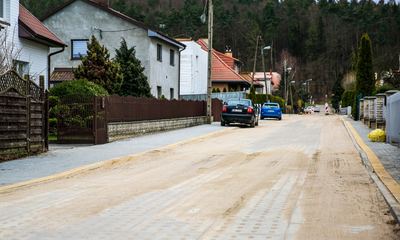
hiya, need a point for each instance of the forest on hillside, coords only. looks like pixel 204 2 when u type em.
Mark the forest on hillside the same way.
pixel 319 39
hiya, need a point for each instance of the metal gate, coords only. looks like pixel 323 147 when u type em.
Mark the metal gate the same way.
pixel 216 106
pixel 81 119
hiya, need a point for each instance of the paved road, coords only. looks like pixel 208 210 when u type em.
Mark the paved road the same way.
pixel 62 158
pixel 299 178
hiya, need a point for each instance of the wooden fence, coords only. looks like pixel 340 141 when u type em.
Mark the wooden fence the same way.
pixel 123 109
pixel 23 121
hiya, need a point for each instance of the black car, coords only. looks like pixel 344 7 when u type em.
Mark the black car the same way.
pixel 239 111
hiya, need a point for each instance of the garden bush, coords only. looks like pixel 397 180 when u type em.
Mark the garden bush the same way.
pixel 383 89
pixel 77 87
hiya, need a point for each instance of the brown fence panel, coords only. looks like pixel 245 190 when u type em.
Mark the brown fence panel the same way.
pixel 22 110
pixel 123 109
pixel 101 121
pixel 75 119
pixel 216 106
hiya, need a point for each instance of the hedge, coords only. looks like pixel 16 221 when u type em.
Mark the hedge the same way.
pixel 348 97
pixel 261 99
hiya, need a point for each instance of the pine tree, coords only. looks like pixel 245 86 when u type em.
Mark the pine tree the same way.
pixel 135 82
pixel 338 91
pixel 98 68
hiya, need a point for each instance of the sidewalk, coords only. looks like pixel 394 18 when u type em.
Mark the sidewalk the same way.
pixel 63 158
pixel 388 154
pixel 381 159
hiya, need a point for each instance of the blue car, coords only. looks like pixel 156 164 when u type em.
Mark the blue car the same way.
pixel 271 110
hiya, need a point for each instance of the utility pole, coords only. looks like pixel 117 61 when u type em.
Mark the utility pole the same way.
pixel 255 58
pixel 210 36
pixel 284 80
pixel 265 77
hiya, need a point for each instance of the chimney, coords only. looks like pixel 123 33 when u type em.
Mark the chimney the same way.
pixel 228 51
pixel 105 3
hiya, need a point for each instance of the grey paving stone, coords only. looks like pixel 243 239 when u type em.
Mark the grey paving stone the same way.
pixel 388 154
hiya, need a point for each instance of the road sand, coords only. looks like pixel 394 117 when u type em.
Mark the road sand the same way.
pixel 299 178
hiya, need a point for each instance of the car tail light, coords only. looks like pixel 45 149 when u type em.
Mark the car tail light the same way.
pixel 263 105
pixel 279 106
pixel 224 109
pixel 249 110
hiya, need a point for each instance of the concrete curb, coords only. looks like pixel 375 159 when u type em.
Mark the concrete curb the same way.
pixel 390 200
pixel 94 166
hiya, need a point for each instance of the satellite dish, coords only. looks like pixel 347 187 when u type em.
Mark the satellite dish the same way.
pixel 203 18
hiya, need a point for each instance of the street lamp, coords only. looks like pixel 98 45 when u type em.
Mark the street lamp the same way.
pixel 304 84
pixel 308 80
pixel 284 80
pixel 291 96
pixel 265 78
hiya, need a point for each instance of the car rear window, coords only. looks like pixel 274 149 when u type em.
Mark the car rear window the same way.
pixel 270 105
pixel 237 102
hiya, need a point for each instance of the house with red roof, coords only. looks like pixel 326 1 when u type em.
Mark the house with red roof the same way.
pixel 225 71
pixel 77 20
pixel 27 41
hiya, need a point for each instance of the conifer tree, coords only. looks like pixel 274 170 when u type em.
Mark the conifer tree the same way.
pixel 338 91
pixel 365 77
pixel 98 68
pixel 135 82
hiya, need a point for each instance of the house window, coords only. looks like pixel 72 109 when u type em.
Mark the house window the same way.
pixel 2 8
pixel 22 68
pixel 171 93
pixel 172 57
pixel 158 92
pixel 197 63
pixel 159 52
pixel 78 46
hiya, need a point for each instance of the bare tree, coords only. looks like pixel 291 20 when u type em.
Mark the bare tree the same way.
pixel 9 52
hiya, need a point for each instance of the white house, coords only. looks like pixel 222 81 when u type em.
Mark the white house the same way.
pixel 25 40
pixel 193 74
pixel 77 20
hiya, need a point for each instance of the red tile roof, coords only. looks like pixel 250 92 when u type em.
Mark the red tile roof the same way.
pixel 61 75
pixel 31 28
pixel 227 59
pixel 248 77
pixel 221 72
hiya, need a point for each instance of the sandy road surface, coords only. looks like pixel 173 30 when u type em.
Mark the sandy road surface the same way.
pixel 299 178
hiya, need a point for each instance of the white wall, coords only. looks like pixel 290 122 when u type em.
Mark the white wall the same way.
pixel 89 18
pixel 193 72
pixel 33 53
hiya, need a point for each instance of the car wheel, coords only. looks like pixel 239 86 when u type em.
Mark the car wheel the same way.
pixel 222 123
pixel 252 124
pixel 262 117
pixel 280 118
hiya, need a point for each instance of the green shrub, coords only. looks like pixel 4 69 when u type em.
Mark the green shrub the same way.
pixel 89 121
pixel 77 87
pixel 53 101
pixel 213 90
pixel 162 97
pixel 52 123
pixel 383 89
pixel 76 121
pixel 53 112
pixel 224 90
pixel 348 97
pixel 232 90
pixel 218 91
